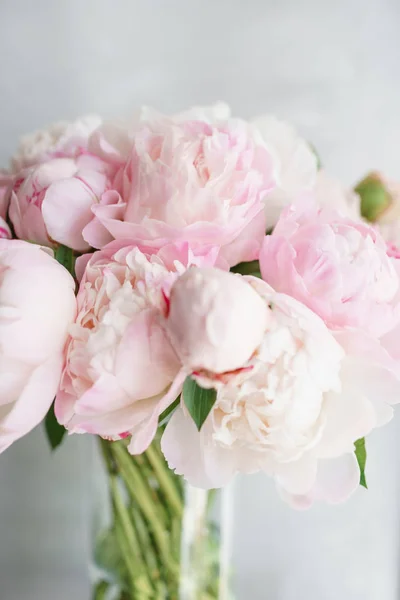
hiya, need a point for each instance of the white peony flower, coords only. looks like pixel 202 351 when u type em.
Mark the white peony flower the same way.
pixel 296 415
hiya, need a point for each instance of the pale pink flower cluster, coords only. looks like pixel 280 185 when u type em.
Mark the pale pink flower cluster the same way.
pixel 299 349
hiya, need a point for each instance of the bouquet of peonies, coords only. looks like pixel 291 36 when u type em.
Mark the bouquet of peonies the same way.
pixel 195 287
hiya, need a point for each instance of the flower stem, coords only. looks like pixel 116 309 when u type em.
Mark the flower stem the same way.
pixel 141 557
pixel 100 591
pixel 128 541
pixel 139 490
pixel 170 491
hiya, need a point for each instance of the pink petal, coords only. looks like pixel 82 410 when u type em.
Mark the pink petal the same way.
pixel 28 226
pixel 95 233
pixel 144 432
pixel 66 211
pixel 247 245
pixel 80 265
pixel 145 350
pixel 33 403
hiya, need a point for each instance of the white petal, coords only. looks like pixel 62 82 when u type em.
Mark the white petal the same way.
pixel 194 455
pixel 298 477
pixel 337 479
pixel 349 416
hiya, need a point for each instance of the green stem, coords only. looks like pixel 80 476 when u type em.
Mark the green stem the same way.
pixel 100 591
pixel 176 537
pixel 160 467
pixel 153 487
pixel 127 539
pixel 147 507
pixel 148 552
pixel 139 491
pixel 124 528
pixel 212 494
pixel 151 555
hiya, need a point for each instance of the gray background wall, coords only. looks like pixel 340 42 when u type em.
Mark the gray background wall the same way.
pixel 330 67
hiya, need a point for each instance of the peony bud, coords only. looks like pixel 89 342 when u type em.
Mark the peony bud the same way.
pixel 216 320
pixel 377 196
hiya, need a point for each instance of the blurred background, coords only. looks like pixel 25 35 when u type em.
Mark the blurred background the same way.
pixel 332 69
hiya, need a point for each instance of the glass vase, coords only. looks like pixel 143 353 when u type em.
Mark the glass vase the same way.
pixel 158 537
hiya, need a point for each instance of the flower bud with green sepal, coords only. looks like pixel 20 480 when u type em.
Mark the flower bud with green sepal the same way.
pixel 376 196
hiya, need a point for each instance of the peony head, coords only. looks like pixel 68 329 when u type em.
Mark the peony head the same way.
pixel 121 371
pixel 52 202
pixel 197 178
pixel 337 267
pixel 37 306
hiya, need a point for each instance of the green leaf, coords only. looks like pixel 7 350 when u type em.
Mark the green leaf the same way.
pixel 66 258
pixel 361 455
pixel 198 401
pixel 55 432
pixel 247 268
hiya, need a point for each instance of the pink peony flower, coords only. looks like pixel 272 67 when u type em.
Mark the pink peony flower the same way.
pixel 113 140
pixel 294 161
pixel 37 305
pixel 121 370
pixel 59 140
pixel 297 413
pixel 216 320
pixel 337 267
pixel 190 178
pixel 52 202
